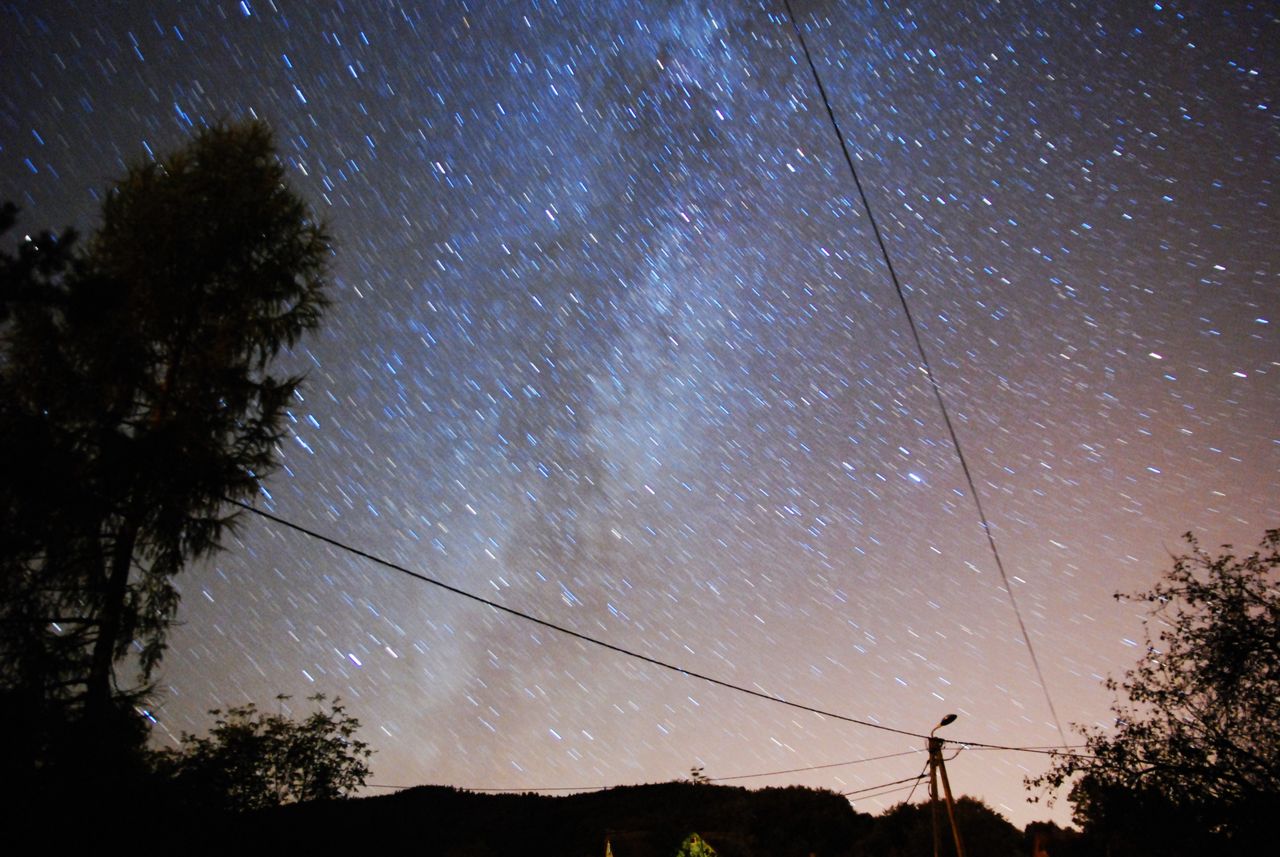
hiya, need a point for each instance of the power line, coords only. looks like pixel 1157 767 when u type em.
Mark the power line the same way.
pixel 893 790
pixel 928 369
pixel 592 789
pixel 377 560
pixel 598 788
pixel 566 631
pixel 815 767
pixel 916 779
pixel 595 789
pixel 709 779
pixel 1040 750
pixel 919 779
pixel 1051 749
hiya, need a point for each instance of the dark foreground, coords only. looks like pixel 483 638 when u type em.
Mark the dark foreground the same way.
pixel 634 821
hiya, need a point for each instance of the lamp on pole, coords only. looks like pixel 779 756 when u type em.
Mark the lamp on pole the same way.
pixel 938 766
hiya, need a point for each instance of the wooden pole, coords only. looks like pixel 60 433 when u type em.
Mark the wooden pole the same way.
pixel 951 809
pixel 935 759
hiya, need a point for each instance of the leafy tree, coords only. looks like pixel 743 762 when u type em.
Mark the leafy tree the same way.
pixel 1047 838
pixel 136 394
pixel 1195 751
pixel 251 760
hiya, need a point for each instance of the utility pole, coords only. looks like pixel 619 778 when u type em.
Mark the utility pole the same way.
pixel 938 765
pixel 933 796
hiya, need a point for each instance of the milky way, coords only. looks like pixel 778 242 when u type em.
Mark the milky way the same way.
pixel 613 344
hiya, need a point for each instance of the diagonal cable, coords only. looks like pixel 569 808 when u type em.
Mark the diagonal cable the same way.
pixel 928 370
pixel 377 560
pixel 563 630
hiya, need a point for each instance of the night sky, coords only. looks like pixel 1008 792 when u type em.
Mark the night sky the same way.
pixel 613 344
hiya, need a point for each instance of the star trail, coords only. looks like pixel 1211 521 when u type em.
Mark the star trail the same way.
pixel 613 344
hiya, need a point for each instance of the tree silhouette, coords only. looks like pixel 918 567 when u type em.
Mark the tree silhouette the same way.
pixel 252 760
pixel 43 650
pixel 1195 751
pixel 907 829
pixel 139 394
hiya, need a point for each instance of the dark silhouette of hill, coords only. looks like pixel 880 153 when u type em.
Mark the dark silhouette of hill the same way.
pixel 440 821
pixel 638 821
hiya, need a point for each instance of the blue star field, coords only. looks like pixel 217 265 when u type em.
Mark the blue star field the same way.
pixel 612 343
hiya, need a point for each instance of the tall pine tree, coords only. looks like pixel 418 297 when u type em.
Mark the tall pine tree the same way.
pixel 139 393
